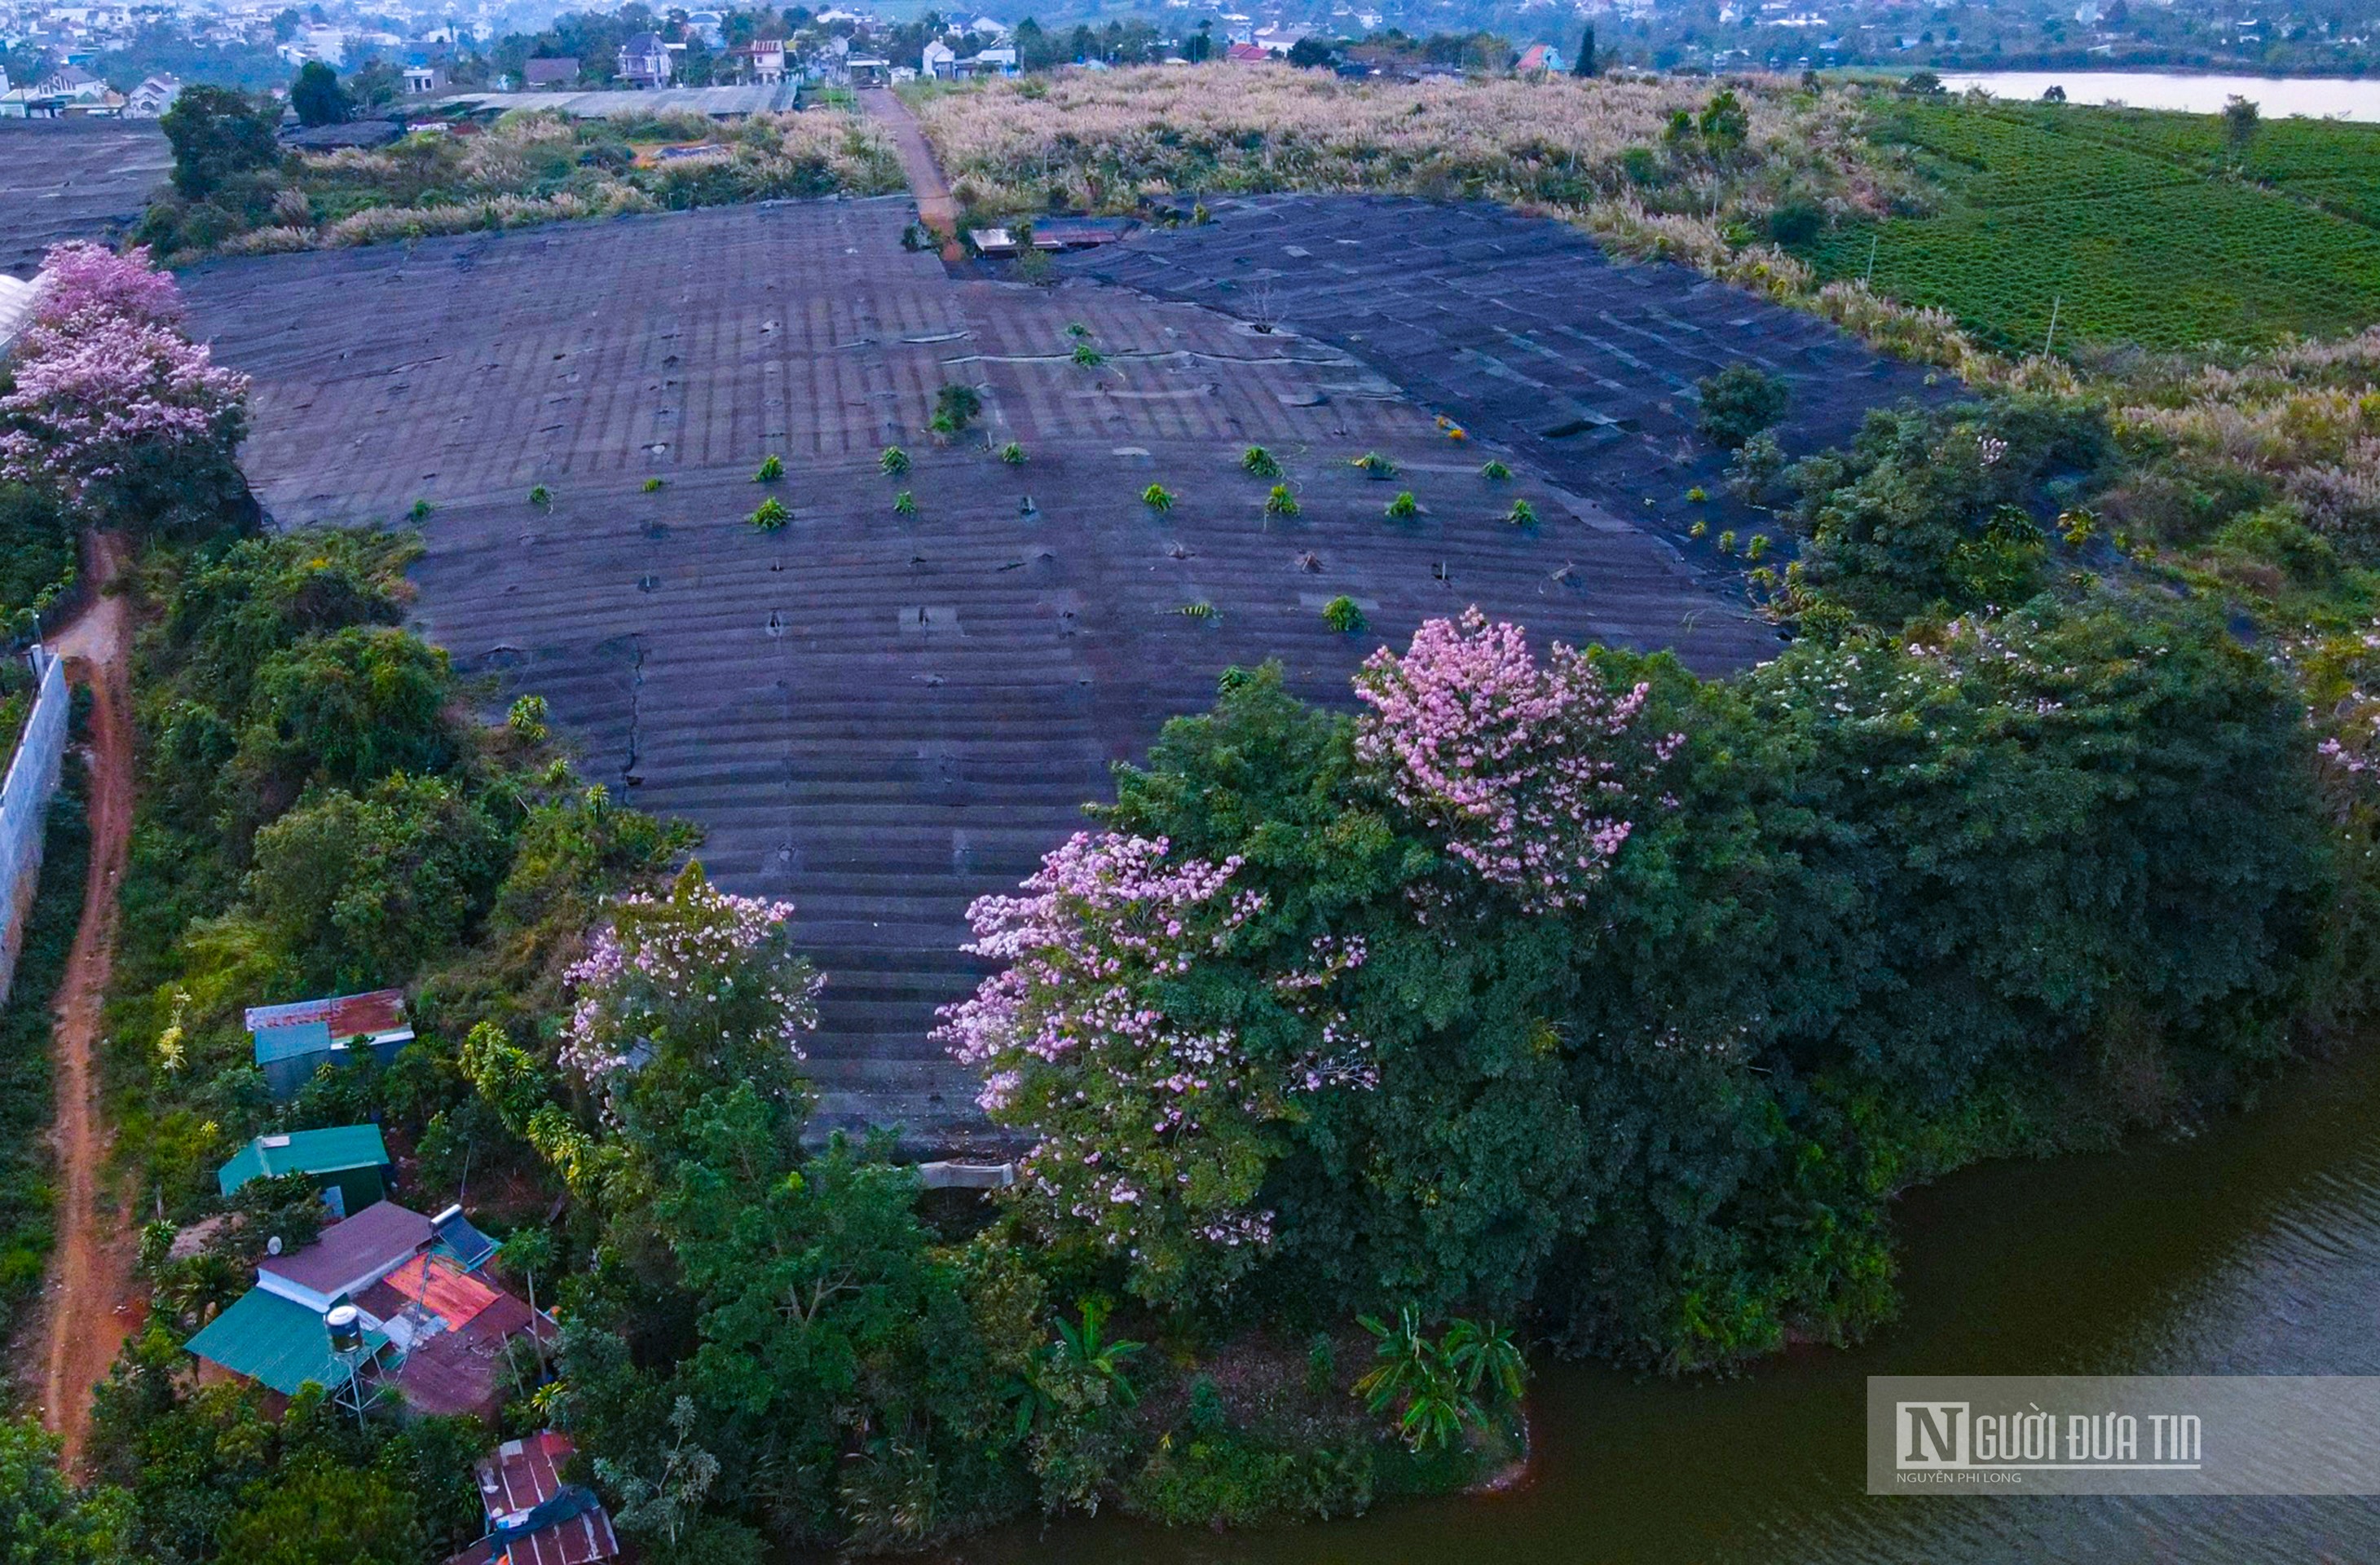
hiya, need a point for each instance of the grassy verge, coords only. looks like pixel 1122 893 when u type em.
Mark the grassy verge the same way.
pixel 526 169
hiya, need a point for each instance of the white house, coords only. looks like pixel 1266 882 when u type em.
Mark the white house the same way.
pixel 937 60
pixel 764 61
pixel 422 80
pixel 992 61
pixel 72 82
pixel 151 98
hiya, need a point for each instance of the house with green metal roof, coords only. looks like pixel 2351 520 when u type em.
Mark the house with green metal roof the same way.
pixel 277 1343
pixel 348 1163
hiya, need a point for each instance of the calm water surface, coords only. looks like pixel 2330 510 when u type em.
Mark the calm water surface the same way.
pixel 2315 97
pixel 2253 1248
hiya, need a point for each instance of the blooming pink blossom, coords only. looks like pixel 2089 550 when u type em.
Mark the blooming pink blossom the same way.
pixel 1144 1111
pixel 666 967
pixel 1524 771
pixel 105 379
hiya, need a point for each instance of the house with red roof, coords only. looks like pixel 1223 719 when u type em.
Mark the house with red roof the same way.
pixel 534 1518
pixel 427 1326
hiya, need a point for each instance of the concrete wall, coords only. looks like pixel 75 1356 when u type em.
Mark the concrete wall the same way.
pixel 25 806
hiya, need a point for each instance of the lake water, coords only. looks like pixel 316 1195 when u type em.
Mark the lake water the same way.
pixel 2314 97
pixel 2251 1248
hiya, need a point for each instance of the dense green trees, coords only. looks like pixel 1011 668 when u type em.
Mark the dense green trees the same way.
pixel 1882 906
pixel 317 96
pixel 219 134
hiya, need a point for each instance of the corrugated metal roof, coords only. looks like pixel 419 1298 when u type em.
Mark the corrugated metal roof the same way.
pixel 356 1253
pixel 525 1474
pixel 346 1015
pixel 275 1342
pixel 333 1149
pixel 287 1041
pixel 444 1289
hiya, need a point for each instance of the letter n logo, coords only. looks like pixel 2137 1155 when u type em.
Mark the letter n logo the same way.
pixel 1929 1434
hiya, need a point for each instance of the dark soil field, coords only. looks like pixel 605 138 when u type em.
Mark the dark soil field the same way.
pixel 73 179
pixel 1521 331
pixel 881 714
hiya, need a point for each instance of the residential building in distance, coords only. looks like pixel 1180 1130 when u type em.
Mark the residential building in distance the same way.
pixel 556 74
pixel 645 62
pixel 151 98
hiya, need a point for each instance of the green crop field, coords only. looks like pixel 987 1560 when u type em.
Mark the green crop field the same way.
pixel 2135 227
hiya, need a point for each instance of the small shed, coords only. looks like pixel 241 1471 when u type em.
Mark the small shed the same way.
pixel 294 1041
pixel 534 1518
pixel 348 1163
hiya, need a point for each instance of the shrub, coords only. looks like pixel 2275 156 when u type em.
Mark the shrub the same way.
pixel 1013 454
pixel 1522 515
pixel 419 511
pixel 894 463
pixel 1404 505
pixel 1697 494
pixel 1343 615
pixel 1281 503
pixel 1260 463
pixel 772 468
pixel 654 485
pixel 1757 546
pixel 772 515
pixel 539 495
pixel 958 403
pixel 526 719
pixel 1088 357
pixel 1494 471
pixel 1738 403
pixel 1727 541
pixel 906 504
pixel 1200 610
pixel 1374 466
pixel 1157 498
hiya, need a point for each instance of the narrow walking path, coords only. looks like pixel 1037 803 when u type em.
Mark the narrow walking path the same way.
pixel 89 1308
pixel 936 208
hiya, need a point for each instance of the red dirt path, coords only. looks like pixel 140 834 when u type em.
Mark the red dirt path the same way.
pixel 90 1305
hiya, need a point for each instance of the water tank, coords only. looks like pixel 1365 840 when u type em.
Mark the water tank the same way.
pixel 346 1328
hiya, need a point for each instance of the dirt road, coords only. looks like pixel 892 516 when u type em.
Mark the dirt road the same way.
pixel 936 208
pixel 88 1306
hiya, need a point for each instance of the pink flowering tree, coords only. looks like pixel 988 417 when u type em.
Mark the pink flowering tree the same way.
pixel 112 405
pixel 1525 773
pixel 685 993
pixel 1155 1043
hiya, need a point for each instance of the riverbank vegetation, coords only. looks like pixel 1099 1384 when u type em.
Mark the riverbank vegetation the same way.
pixel 527 168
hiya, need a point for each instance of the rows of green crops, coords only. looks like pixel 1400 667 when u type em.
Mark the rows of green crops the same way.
pixel 2127 225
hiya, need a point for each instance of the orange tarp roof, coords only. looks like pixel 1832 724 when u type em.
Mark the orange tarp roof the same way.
pixel 453 1296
